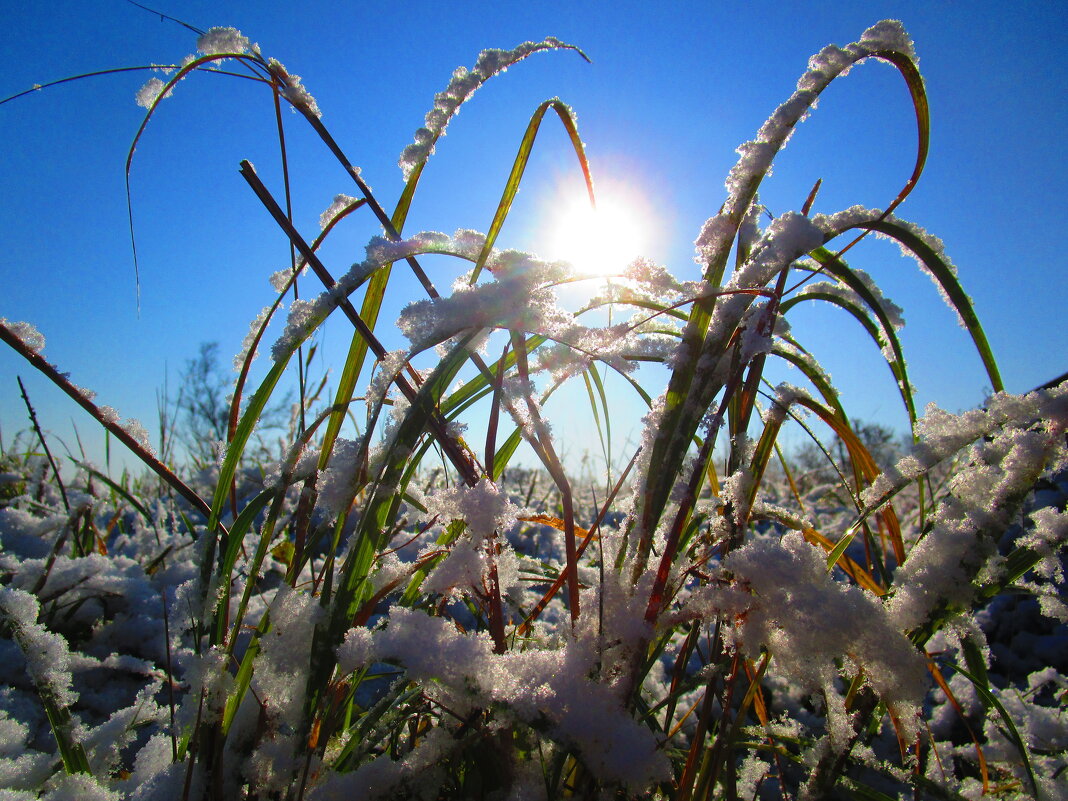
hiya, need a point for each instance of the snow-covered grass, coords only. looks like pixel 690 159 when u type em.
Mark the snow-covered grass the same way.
pixel 402 614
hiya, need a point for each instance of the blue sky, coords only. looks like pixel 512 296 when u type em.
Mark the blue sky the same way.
pixel 672 90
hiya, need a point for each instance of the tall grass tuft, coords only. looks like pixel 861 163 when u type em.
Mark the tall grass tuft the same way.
pixel 400 615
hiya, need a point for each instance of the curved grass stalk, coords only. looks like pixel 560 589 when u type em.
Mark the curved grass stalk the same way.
pixel 882 335
pixel 945 275
pixel 567 119
pixel 685 400
pixel 79 396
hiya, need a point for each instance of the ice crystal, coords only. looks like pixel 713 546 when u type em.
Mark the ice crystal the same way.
pixel 808 621
pixel 254 328
pixel 336 481
pixel 463 84
pixel 294 90
pixel 47 655
pixel 218 41
pixel 25 332
pixel 135 429
pixel 338 205
pixel 149 94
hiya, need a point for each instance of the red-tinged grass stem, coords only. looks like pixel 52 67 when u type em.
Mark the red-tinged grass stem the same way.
pixel 116 430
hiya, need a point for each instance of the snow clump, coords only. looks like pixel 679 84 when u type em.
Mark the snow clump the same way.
pixel 219 41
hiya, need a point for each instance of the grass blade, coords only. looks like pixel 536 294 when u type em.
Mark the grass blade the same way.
pixel 519 167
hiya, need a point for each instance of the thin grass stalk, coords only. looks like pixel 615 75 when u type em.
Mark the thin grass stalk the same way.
pixel 519 167
pixel 44 444
pixel 460 459
pixel 687 781
pixel 657 597
pixel 276 96
pixel 61 381
pixel 71 751
pixel 943 685
pixel 543 446
pixel 495 414
pixel 587 536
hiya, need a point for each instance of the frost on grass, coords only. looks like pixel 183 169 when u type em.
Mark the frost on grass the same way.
pixel 562 686
pixel 135 429
pixel 463 84
pixel 47 655
pixel 306 315
pixel 339 204
pixel 789 237
pixel 80 787
pixel 886 306
pixel 484 510
pixel 220 41
pixel 26 333
pixel 492 305
pixel 149 94
pixel 335 483
pixel 914 242
pixel 546 686
pixel 284 655
pixel 756 156
pixel 982 497
pixel 940 434
pixel 809 621
pixel 248 344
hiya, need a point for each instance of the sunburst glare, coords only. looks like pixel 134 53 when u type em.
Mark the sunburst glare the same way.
pixel 599 241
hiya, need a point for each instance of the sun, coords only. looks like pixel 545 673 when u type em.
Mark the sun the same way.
pixel 601 241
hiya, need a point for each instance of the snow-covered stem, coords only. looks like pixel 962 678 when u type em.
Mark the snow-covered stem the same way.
pixel 79 396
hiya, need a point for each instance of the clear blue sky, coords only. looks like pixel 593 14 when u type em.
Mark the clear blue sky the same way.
pixel 672 90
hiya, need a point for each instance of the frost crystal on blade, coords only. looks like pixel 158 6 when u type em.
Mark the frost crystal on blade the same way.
pixel 250 339
pixel 484 508
pixel 336 481
pixel 912 236
pixel 463 84
pixel 824 67
pixel 47 655
pixel 889 35
pixel 809 621
pixel 134 428
pixel 26 332
pixel 339 204
pixel 294 90
pixel 148 94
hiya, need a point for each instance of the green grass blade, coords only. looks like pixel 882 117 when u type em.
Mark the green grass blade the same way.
pixel 607 443
pixel 354 361
pixel 70 750
pixel 803 361
pixel 840 270
pixel 236 447
pixel 511 187
pixel 596 413
pixel 505 452
pixel 121 491
pixel 231 548
pixel 243 677
pixel 944 275
pixel 990 700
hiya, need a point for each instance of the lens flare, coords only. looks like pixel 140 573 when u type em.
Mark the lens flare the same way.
pixel 601 241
